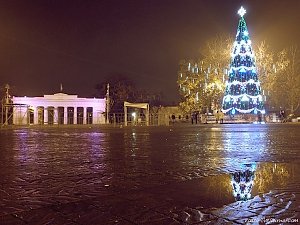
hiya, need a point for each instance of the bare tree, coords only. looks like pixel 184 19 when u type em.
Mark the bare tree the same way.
pixel 201 81
pixel 122 88
pixel 287 86
pixel 265 66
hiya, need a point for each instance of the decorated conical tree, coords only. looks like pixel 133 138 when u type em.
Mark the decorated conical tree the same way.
pixel 243 91
pixel 242 182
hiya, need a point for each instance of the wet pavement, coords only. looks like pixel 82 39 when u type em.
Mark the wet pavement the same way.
pixel 201 174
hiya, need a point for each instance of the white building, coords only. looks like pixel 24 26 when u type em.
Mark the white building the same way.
pixel 59 108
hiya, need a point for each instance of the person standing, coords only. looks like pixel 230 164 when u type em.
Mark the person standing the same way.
pixel 217 116
pixel 173 118
pixel 221 117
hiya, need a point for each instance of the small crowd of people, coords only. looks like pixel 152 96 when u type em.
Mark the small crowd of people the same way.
pixel 219 116
pixel 196 117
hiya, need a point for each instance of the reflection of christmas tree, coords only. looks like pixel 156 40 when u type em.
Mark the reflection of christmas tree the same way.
pixel 243 92
pixel 242 183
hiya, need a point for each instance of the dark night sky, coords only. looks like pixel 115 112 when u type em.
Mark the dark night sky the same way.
pixel 78 43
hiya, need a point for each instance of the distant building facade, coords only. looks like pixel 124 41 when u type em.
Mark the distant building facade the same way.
pixel 170 114
pixel 59 108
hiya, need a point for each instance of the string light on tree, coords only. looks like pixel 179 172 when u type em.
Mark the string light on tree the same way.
pixel 242 182
pixel 242 92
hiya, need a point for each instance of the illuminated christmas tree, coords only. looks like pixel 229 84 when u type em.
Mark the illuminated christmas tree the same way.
pixel 243 91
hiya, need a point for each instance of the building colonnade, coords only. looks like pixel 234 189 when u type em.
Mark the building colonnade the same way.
pixel 61 115
pixel 58 109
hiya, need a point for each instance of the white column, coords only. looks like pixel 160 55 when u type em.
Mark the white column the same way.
pixel 55 119
pixel 147 115
pixel 35 115
pixel 75 115
pixel 45 115
pixel 65 115
pixel 93 116
pixel 84 115
pixel 27 116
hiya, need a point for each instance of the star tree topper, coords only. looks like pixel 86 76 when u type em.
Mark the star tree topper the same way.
pixel 242 11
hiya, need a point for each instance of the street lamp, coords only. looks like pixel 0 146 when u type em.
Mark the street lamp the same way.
pixel 133 115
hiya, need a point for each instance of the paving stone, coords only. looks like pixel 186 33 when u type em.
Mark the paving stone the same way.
pixel 77 210
pixel 43 216
pixel 295 205
pixel 147 175
pixel 11 207
pixel 184 214
pixel 218 221
pixel 231 213
pixel 147 216
pixel 11 220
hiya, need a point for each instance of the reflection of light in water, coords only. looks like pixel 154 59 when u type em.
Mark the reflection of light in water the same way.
pixel 22 145
pixel 133 144
pixel 96 143
pixel 216 129
pixel 136 143
pixel 242 182
pixel 245 144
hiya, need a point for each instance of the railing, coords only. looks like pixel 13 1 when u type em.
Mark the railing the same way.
pixel 134 120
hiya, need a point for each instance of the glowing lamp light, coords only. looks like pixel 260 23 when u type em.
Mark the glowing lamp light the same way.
pixel 235 82
pixel 255 111
pixel 251 81
pixel 227 99
pixel 242 11
pixel 246 33
pixel 242 70
pixel 245 98
pixel 263 111
pixel 133 114
pixel 233 111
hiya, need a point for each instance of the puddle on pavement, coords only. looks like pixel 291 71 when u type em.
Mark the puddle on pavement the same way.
pixel 219 190
pixel 254 179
